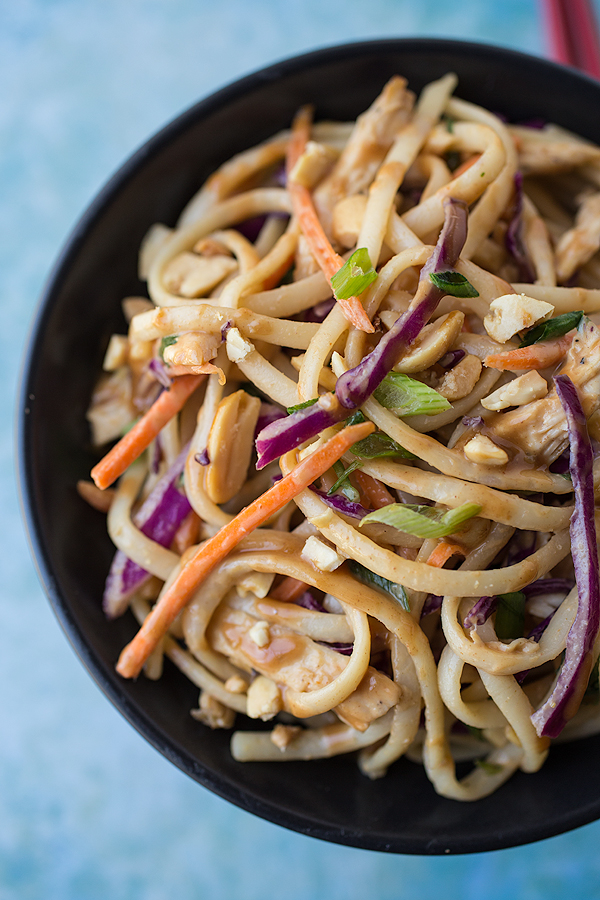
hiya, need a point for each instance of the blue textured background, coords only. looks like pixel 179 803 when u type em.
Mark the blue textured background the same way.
pixel 88 810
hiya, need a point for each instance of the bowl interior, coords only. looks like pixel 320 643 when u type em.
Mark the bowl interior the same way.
pixel 79 311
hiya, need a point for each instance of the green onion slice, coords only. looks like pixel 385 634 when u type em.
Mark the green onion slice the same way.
pixel 454 283
pixel 293 409
pixel 379 445
pixel 355 276
pixel 408 397
pixel 423 521
pixel 510 616
pixel 167 341
pixel 552 328
pixel 342 482
pixel 372 579
pixel 488 767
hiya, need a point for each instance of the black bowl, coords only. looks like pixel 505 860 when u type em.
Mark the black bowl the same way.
pixel 79 310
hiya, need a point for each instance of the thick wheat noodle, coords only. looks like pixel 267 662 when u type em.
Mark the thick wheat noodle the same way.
pixel 538 245
pixel 462 407
pixel 290 299
pixel 231 175
pixel 312 743
pixel 277 260
pixel 437 173
pixel 498 506
pixel 512 701
pixel 311 703
pixel 427 216
pixel 493 203
pixel 398 160
pixel 477 713
pixel 243 250
pixel 563 299
pixel 157 323
pixel 194 473
pixel 222 215
pixel 406 718
pixel 318 353
pixel 269 379
pixel 141 549
pixel 508 659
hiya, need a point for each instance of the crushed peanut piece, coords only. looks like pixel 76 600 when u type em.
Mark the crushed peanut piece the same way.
pixel 481 449
pixel 263 699
pixel 236 685
pixel 260 634
pixel 512 313
pixel 213 713
pixel 321 555
pixel 283 735
pixel 517 392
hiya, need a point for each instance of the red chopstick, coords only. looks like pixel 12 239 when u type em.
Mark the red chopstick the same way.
pixel 573 34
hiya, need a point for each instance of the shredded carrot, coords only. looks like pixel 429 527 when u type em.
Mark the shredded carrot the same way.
pixel 329 261
pixel 217 547
pixel 375 491
pixel 289 590
pixel 187 534
pixel 143 432
pixel 100 500
pixel 442 553
pixel 466 166
pixel 536 356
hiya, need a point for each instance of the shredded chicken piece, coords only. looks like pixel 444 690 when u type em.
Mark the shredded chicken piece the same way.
pixel 540 155
pixel 295 661
pixel 540 428
pixel 578 244
pixel 367 146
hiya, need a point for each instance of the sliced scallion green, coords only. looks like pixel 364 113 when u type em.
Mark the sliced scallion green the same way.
pixel 510 616
pixel 423 521
pixel 408 397
pixel 552 328
pixel 454 283
pixel 372 579
pixel 307 403
pixel 167 341
pixel 355 275
pixel 378 446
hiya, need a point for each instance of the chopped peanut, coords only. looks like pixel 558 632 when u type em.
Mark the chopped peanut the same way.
pixel 512 313
pixel 259 634
pixel 236 685
pixel 321 555
pixel 481 449
pixel 283 735
pixel 213 713
pixel 461 380
pixel 264 699
pixel 517 392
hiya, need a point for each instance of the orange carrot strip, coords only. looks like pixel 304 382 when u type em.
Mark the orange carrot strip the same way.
pixel 217 547
pixel 377 493
pixel 289 590
pixel 442 553
pixel 464 167
pixel 536 356
pixel 143 432
pixel 187 534
pixel 304 210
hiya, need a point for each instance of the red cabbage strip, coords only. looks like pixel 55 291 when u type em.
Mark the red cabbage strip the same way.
pixel 286 434
pixel 480 611
pixel 563 702
pixel 356 385
pixel 431 605
pixel 158 518
pixel 307 601
pixel 514 234
pixel 342 505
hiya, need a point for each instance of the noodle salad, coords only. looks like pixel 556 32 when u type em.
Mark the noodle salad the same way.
pixel 354 481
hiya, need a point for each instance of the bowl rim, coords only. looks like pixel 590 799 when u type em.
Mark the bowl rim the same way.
pixel 143 723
